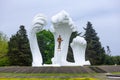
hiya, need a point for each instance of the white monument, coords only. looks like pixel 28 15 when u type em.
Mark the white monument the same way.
pixel 62 28
pixel 79 46
pixel 37 25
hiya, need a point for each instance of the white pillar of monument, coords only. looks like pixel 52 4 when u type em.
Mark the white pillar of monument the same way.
pixel 79 47
pixel 38 23
pixel 62 25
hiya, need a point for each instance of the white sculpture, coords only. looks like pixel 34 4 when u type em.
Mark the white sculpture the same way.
pixel 38 22
pixel 62 28
pixel 79 46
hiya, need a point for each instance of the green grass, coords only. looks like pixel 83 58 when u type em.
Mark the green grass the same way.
pixel 51 76
pixel 46 74
pixel 47 79
pixel 116 73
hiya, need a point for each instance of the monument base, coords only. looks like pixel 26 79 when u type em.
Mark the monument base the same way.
pixel 67 69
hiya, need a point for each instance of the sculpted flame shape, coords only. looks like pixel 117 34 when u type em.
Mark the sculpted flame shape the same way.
pixel 38 23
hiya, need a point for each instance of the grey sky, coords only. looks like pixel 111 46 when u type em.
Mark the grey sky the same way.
pixel 103 14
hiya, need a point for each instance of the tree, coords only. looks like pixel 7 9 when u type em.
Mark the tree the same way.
pixel 95 53
pixel 46 44
pixel 3 50
pixel 3 43
pixel 108 50
pixel 19 49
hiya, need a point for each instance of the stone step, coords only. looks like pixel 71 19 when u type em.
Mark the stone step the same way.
pixel 46 69
pixel 97 69
pixel 110 68
pixel 78 69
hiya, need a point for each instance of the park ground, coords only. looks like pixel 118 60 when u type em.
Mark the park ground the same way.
pixel 55 76
pixel 59 73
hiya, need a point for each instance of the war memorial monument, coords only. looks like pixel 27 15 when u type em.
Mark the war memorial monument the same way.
pixel 62 28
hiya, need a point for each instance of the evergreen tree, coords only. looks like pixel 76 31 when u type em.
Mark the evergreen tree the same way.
pixel 19 50
pixel 95 53
pixel 108 50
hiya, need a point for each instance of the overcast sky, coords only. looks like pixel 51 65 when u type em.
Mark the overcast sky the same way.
pixel 103 14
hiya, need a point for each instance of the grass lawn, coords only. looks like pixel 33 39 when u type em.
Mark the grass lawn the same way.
pixel 116 73
pixel 51 76
pixel 47 79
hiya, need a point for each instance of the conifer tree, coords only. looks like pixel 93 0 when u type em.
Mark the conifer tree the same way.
pixel 19 50
pixel 94 52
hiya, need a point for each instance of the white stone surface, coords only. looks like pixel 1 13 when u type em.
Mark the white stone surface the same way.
pixel 38 23
pixel 63 26
pixel 79 46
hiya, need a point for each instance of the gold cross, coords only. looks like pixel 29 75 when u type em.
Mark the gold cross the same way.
pixel 59 39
